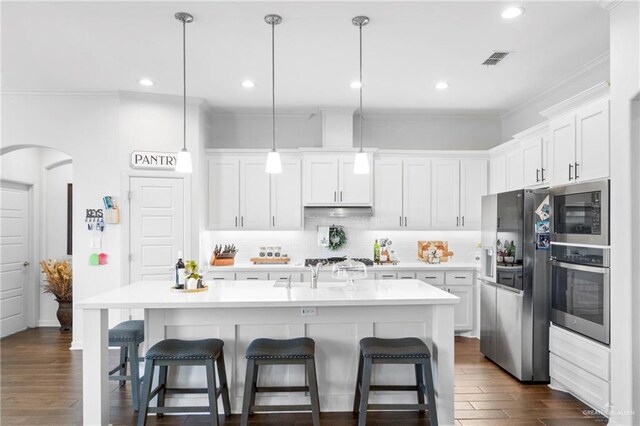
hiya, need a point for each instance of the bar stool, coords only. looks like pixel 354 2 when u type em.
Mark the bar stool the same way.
pixel 184 352
pixel 128 335
pixel 280 352
pixel 409 350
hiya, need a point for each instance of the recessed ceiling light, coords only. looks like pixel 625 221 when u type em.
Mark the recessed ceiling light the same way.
pixel 441 85
pixel 512 12
pixel 248 84
pixel 355 85
pixel 146 82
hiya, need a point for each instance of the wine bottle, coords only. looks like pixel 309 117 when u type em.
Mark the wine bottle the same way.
pixel 180 272
pixel 376 252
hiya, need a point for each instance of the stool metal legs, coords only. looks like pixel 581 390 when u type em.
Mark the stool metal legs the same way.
pixel 424 385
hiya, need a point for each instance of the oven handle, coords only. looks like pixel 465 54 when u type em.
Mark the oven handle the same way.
pixel 585 268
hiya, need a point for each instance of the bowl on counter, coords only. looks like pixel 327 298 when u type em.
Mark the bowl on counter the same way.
pixel 509 259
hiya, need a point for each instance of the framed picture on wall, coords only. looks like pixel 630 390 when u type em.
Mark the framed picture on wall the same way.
pixel 69 219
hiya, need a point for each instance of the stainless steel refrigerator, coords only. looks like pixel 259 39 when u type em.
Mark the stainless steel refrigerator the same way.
pixel 514 316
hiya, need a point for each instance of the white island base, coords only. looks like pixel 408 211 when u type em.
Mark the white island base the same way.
pixel 238 312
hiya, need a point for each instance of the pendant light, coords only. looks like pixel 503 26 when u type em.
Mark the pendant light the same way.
pixel 273 158
pixel 361 163
pixel 183 164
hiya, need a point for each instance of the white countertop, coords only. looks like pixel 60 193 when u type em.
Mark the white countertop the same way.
pixel 294 267
pixel 243 294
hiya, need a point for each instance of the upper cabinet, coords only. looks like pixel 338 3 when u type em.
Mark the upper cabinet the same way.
pixel 473 185
pixel 242 196
pixel 498 173
pixel 515 174
pixel 329 180
pixel 534 144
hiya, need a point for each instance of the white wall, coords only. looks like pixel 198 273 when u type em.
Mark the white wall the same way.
pixel 381 130
pixel 625 86
pixel 528 114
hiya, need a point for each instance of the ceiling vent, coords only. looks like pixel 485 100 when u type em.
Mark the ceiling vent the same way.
pixel 495 58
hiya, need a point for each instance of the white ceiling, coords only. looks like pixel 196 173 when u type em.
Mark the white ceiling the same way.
pixel 408 47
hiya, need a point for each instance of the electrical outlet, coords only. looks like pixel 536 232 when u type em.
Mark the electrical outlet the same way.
pixel 309 312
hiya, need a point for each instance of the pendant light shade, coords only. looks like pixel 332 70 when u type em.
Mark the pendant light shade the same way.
pixel 361 162
pixel 183 164
pixel 273 158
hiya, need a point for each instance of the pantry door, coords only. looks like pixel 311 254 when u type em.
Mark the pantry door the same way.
pixel 156 226
pixel 14 257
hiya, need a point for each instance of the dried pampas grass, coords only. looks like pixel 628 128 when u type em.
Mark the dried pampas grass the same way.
pixel 59 279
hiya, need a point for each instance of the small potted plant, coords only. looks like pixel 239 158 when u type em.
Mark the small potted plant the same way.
pixel 193 278
pixel 59 282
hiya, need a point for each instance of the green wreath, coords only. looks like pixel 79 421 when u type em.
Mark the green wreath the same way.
pixel 337 238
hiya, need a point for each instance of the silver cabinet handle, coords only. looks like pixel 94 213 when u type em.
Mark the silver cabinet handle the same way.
pixel 457 220
pixel 575 171
pixel 405 221
pixel 340 196
pixel 401 221
pixel 542 174
pixel 335 196
pixel 462 220
pixel 236 221
pixel 570 167
pixel 537 175
pixel 273 221
pixel 252 278
pixel 430 278
pixel 242 221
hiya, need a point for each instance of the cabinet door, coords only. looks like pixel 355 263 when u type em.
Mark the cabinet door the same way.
pixel 354 190
pixel 417 194
pixel 385 276
pixel 592 141
pixel 445 190
pixel 532 161
pixel 563 143
pixel 254 195
pixel 388 193
pixel 547 160
pixel 252 276
pixel 320 180
pixel 473 186
pixel 224 194
pixel 498 174
pixel 286 196
pixel 514 170
pixel 463 311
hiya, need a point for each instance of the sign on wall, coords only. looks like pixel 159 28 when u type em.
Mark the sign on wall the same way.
pixel 153 160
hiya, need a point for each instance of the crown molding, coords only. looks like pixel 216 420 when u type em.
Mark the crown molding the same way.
pixel 59 94
pixel 536 130
pixel 598 91
pixel 594 63
pixel 609 5
pixel 160 97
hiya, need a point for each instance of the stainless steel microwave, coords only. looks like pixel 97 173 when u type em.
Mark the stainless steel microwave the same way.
pixel 580 213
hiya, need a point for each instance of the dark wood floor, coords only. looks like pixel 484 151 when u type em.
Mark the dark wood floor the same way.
pixel 41 383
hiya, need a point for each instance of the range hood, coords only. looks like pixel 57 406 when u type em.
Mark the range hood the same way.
pixel 332 211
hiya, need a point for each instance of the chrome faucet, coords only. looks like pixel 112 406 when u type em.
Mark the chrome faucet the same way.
pixel 289 282
pixel 315 270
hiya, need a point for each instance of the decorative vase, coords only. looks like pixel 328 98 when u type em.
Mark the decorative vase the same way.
pixel 65 315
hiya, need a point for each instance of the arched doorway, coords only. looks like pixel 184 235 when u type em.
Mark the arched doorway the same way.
pixel 35 224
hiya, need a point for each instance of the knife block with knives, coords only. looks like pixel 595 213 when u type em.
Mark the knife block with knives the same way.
pixel 223 255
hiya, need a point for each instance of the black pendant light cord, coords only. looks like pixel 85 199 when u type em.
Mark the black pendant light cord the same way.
pixel 361 118
pixel 273 86
pixel 184 84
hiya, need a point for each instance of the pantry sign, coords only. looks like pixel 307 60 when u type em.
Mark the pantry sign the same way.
pixel 153 160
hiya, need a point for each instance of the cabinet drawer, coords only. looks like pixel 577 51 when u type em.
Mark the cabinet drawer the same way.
pixel 252 276
pixel 458 277
pixel 433 278
pixel 283 276
pixel 591 389
pixel 214 276
pixel 407 275
pixel 586 354
pixel 386 275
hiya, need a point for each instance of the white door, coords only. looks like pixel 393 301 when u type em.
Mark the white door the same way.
pixel 417 193
pixel 498 173
pixel 320 180
pixel 354 189
pixel 388 193
pixel 14 260
pixel 224 194
pixel 514 169
pixel 532 161
pixel 157 227
pixel 473 186
pixel 445 190
pixel 592 141
pixel 255 211
pixel 563 143
pixel 286 196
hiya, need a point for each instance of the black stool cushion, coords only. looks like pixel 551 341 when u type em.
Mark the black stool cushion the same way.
pixel 301 347
pixel 175 349
pixel 128 331
pixel 407 347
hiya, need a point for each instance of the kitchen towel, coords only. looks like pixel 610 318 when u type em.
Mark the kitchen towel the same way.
pixel 323 236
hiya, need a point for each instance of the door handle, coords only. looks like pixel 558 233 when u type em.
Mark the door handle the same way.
pixel 537 175
pixel 570 167
pixel 26 263
pixel 498 222
pixel 575 171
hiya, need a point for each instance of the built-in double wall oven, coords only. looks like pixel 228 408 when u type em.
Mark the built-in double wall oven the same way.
pixel 580 284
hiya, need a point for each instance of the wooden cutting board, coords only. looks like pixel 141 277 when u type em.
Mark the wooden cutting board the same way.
pixel 270 260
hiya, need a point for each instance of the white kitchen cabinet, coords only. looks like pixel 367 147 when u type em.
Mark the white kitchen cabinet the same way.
pixel 463 312
pixel 473 185
pixel 406 275
pixel 402 197
pixel 445 190
pixel 224 193
pixel 219 276
pixel 514 169
pixel 387 275
pixel 546 173
pixel 252 276
pixel 431 277
pixel 329 180
pixel 254 195
pixel 498 174
pixel 563 142
pixel 286 196
pixel 532 153
pixel 592 141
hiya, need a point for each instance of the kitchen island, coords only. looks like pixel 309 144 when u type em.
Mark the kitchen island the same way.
pixel 335 316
